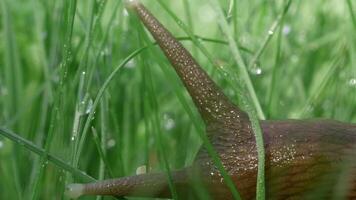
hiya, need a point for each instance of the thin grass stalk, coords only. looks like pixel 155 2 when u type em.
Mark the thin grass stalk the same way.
pixel 22 142
pixel 260 190
pixel 272 89
pixel 238 58
pixel 270 34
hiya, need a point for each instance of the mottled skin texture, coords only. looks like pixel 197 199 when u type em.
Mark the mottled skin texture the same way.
pixel 301 156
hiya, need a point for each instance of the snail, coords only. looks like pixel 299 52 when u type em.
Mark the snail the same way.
pixel 305 159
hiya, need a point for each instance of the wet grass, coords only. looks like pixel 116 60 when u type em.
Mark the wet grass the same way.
pixel 85 95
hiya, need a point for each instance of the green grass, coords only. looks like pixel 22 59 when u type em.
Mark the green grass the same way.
pixel 84 93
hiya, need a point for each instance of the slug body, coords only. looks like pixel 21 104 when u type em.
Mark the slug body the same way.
pixel 304 159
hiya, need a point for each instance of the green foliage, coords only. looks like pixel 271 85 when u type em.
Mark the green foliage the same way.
pixel 85 91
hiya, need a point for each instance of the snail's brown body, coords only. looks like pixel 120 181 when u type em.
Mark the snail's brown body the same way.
pixel 304 159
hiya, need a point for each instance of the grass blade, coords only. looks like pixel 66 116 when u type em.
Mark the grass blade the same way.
pixel 44 154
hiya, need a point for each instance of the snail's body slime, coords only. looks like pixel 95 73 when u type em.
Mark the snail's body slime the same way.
pixel 304 159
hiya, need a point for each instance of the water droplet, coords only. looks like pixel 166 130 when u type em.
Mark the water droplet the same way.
pixel 141 170
pixel 352 82
pixel 85 106
pixel 72 138
pixel 256 70
pixel 111 143
pixel 126 13
pixel 270 32
pixel 131 64
pixel 169 122
pixel 89 106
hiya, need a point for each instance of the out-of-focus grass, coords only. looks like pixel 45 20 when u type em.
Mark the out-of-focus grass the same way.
pixel 56 55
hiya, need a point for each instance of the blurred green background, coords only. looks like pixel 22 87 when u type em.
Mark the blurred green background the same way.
pixel 55 57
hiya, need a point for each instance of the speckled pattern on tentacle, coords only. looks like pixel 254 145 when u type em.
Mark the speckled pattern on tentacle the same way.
pixel 212 104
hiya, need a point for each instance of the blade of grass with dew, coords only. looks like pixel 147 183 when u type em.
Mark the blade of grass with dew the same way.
pixel 95 104
pixel 45 92
pixel 270 34
pixel 69 13
pixel 81 105
pixel 19 141
pixel 82 74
